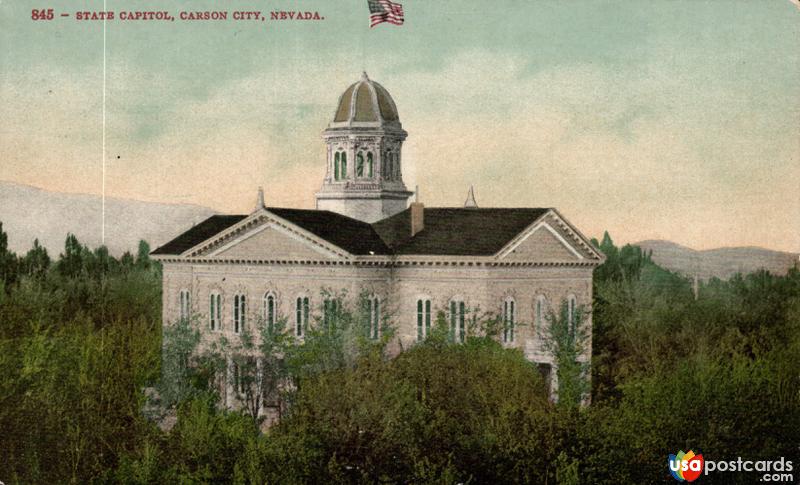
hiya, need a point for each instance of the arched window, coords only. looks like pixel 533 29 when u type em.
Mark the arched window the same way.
pixel 374 315
pixel 270 311
pixel 539 310
pixel 331 308
pixel 458 330
pixel 343 168
pixel 360 164
pixel 336 166
pixel 369 164
pixel 239 312
pixel 185 304
pixel 423 318
pixel 215 311
pixel 301 315
pixel 509 316
pixel 572 316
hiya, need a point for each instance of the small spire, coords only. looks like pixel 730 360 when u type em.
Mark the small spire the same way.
pixel 416 193
pixel 364 76
pixel 260 202
pixel 470 203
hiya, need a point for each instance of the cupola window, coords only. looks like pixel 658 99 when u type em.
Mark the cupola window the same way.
pixel 360 164
pixel 369 164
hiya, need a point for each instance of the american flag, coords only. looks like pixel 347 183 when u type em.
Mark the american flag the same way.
pixel 384 11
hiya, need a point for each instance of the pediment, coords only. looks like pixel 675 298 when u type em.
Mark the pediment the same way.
pixel 270 241
pixel 266 237
pixel 550 239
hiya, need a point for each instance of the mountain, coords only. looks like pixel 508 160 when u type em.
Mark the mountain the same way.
pixel 721 262
pixel 28 213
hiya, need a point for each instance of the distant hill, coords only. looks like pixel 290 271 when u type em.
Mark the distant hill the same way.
pixel 28 213
pixel 721 262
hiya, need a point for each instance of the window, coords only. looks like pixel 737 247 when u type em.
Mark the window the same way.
pixel 369 164
pixel 571 313
pixel 458 329
pixel 301 315
pixel 360 165
pixel 331 307
pixel 508 320
pixel 239 312
pixel 423 318
pixel 336 166
pixel 185 305
pixel 269 311
pixel 215 313
pixel 374 315
pixel 343 168
pixel 539 312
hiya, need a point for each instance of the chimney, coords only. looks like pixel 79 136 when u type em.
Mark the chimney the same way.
pixel 417 218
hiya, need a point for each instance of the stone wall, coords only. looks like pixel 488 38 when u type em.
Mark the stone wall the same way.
pixel 482 288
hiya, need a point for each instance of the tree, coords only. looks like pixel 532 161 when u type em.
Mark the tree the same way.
pixel 180 368
pixel 143 255
pixel 72 261
pixel 566 338
pixel 36 261
pixel 8 260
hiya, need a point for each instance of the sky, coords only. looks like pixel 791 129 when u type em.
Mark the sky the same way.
pixel 663 119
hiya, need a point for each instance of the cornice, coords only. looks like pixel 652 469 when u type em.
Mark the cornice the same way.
pixel 374 262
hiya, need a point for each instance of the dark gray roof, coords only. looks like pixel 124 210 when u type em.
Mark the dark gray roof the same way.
pixel 447 231
pixel 456 231
pixel 352 235
pixel 197 234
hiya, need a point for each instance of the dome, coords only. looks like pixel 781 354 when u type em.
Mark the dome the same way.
pixel 366 102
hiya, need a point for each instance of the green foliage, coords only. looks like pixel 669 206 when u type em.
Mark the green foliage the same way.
pixel 566 338
pixel 180 372
pixel 438 412
pixel 81 339
pixel 75 353
pixel 8 261
pixel 338 339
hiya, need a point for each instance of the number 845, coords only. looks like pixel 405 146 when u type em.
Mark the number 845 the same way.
pixel 42 14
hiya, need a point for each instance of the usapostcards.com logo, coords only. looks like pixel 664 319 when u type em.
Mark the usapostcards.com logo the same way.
pixel 686 466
